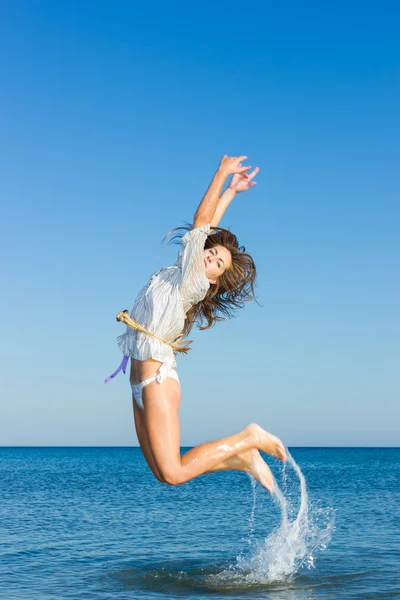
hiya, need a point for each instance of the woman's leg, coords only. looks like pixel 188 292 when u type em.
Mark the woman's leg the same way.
pixel 143 441
pixel 161 404
pixel 248 462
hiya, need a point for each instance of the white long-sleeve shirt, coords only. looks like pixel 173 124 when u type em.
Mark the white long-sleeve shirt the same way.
pixel 161 306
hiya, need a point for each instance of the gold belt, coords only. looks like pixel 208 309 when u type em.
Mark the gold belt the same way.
pixel 177 345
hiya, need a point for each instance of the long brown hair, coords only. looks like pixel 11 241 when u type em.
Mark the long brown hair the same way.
pixel 232 290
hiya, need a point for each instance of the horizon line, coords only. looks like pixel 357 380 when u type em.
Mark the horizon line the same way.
pixel 131 446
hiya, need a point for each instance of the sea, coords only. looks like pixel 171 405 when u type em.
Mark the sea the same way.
pixel 94 524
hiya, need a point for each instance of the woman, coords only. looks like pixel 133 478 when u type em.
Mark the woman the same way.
pixel 212 276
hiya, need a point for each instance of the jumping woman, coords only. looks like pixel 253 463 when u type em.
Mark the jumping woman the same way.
pixel 212 276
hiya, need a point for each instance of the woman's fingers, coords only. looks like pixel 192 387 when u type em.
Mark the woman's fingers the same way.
pixel 240 168
pixel 253 173
pixel 241 182
pixel 233 164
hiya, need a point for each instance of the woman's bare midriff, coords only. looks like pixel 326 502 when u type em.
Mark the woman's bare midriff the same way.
pixel 143 369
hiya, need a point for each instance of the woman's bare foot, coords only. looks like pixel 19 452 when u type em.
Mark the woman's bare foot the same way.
pixel 249 461
pixel 260 470
pixel 267 442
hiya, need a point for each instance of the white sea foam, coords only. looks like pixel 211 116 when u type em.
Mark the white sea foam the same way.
pixel 304 530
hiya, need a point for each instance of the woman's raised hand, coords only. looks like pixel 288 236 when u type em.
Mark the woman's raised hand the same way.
pixel 241 182
pixel 230 165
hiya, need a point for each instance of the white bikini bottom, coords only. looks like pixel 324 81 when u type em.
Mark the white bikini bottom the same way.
pixel 163 372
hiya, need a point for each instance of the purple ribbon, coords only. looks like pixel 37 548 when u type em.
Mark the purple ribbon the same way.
pixel 122 367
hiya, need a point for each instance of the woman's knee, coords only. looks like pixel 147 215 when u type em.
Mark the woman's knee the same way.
pixel 172 476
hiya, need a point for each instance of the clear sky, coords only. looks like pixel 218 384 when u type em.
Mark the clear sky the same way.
pixel 114 116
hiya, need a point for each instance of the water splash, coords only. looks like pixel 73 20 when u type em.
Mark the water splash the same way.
pixel 304 530
pixel 253 511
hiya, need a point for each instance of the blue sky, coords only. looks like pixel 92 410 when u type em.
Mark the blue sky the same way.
pixel 113 118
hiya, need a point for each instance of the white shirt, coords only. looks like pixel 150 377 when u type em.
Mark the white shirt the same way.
pixel 161 306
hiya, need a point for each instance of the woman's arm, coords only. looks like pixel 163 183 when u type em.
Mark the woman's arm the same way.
pixel 240 182
pixel 207 207
pixel 223 203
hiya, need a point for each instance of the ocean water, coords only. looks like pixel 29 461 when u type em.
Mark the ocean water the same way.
pixel 93 523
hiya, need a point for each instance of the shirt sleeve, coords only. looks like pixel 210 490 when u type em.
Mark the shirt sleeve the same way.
pixel 194 278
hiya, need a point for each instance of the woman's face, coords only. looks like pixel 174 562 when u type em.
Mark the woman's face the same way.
pixel 216 260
